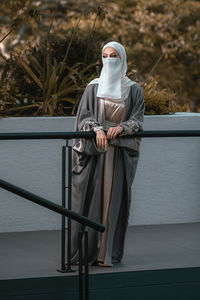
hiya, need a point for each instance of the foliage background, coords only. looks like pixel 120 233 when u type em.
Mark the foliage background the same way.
pixel 162 40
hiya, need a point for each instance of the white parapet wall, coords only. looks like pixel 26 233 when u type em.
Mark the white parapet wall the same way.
pixel 166 187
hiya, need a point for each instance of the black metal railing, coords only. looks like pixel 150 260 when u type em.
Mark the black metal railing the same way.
pixel 66 212
pixel 89 134
pixel 51 205
pixel 83 289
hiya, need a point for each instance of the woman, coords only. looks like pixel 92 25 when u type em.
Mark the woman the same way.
pixel 103 169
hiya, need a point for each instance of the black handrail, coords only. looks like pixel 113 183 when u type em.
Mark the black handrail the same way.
pixel 51 205
pixel 89 134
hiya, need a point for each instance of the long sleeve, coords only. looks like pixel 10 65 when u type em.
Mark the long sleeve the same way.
pixel 136 118
pixel 86 120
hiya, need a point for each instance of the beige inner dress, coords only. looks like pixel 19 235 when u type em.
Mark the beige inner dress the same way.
pixel 113 116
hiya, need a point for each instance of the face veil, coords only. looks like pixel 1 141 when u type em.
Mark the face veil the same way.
pixel 110 79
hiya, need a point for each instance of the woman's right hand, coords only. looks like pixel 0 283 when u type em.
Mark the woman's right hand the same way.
pixel 101 140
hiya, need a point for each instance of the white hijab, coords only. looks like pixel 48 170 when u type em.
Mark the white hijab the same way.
pixel 113 82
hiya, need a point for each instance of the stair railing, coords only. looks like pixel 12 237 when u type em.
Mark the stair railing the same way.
pixel 67 212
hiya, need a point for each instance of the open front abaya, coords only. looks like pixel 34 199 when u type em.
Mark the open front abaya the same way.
pixel 101 180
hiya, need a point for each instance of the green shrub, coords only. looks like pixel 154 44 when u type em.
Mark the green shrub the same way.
pixel 159 101
pixel 49 80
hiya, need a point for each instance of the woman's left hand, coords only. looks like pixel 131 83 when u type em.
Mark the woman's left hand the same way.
pixel 114 131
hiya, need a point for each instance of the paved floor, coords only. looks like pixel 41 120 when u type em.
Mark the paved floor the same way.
pixel 148 247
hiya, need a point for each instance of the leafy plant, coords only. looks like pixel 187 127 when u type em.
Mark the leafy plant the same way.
pixel 159 101
pixel 56 91
pixel 44 85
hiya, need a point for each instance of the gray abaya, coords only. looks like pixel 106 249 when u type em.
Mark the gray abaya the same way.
pixel 101 180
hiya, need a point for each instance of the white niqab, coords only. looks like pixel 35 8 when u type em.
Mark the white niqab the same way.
pixel 113 82
pixel 110 78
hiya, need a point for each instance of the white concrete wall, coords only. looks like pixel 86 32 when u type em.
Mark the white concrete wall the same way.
pixel 165 190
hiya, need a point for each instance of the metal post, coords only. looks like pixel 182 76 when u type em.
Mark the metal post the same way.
pixel 83 275
pixel 63 239
pixel 63 268
pixel 69 207
pixel 86 267
pixel 80 238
